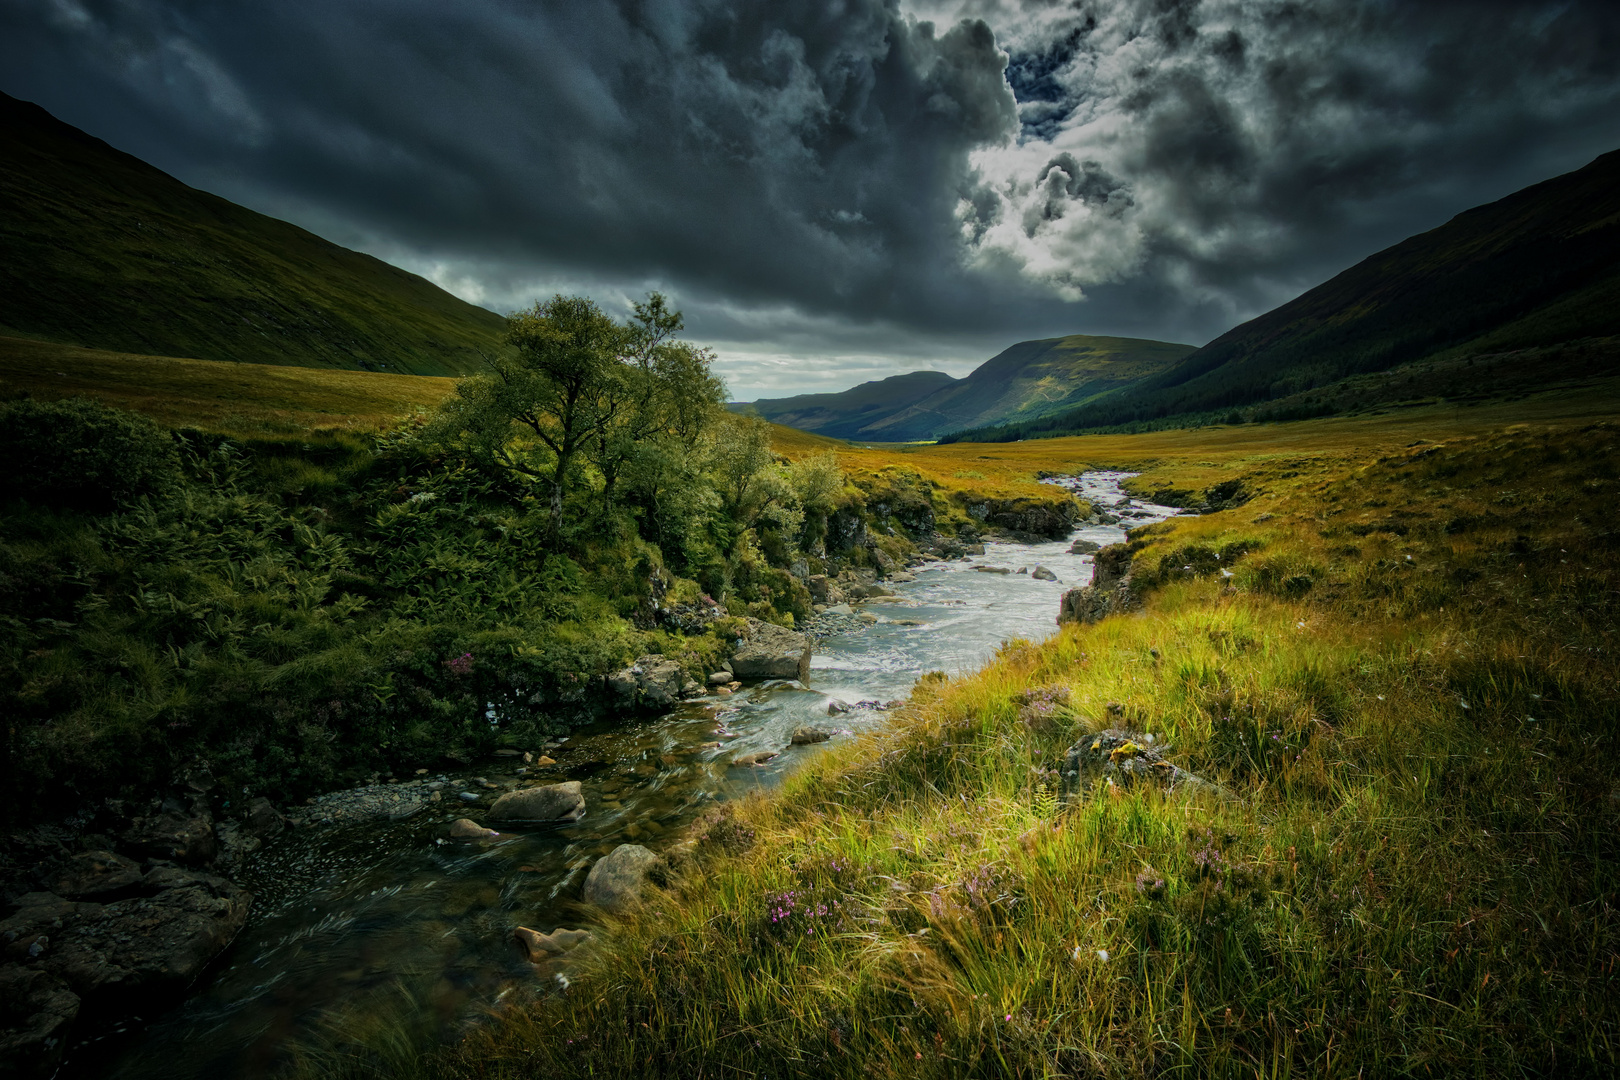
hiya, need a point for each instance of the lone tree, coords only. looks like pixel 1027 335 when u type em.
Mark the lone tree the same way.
pixel 580 387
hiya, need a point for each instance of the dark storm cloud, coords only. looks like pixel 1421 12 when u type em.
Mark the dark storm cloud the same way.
pixel 850 173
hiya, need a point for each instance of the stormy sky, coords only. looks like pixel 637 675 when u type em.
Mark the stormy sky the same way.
pixel 847 189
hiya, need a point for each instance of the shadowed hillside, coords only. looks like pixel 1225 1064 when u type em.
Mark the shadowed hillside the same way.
pixel 101 249
pixel 844 415
pixel 1518 278
pixel 1028 380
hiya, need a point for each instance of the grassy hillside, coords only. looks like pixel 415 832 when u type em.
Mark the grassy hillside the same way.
pixel 1538 269
pixel 845 414
pixel 245 400
pixel 1402 686
pixel 1030 380
pixel 101 249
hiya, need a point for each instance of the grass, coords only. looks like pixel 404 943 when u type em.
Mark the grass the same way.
pixel 106 251
pixel 1407 687
pixel 246 400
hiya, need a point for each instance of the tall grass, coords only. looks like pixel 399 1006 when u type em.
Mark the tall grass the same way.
pixel 1409 866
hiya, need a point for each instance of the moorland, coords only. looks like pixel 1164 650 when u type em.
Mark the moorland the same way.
pixel 1328 787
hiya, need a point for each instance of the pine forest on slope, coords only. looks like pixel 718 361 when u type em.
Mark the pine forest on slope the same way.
pixel 103 250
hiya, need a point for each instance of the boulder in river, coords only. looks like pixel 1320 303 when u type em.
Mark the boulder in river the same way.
pixel 803 736
pixel 1041 573
pixel 548 802
pixel 616 881
pixel 755 757
pixel 834 708
pixel 719 678
pixel 468 829
pixel 1084 547
pixel 768 651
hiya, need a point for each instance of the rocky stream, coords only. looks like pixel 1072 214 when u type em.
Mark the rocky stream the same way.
pixel 202 951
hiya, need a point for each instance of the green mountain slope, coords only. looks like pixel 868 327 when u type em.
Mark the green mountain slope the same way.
pixel 1029 380
pixel 98 248
pixel 1536 269
pixel 844 414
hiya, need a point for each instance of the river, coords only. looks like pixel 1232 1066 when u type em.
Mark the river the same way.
pixel 385 922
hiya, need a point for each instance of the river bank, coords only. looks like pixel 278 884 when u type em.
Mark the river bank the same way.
pixel 1397 668
pixel 362 895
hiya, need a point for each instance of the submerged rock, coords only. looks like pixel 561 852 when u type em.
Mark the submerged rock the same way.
pixel 768 651
pixel 549 802
pixel 468 829
pixel 537 946
pixel 805 735
pixel 756 757
pixel 617 879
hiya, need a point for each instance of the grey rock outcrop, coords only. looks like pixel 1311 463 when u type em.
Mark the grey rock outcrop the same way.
pixel 1109 593
pixel 97 873
pixel 768 651
pixel 652 681
pixel 617 879
pixel 548 802
pixel 1124 758
pixel 140 951
pixel 176 833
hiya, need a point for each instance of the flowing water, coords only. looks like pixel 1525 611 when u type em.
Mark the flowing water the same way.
pixel 359 923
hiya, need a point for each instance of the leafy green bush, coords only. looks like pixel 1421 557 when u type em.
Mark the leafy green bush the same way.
pixel 83 454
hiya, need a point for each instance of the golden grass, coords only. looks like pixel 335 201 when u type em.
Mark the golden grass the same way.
pixel 1407 688
pixel 240 399
pixel 1196 458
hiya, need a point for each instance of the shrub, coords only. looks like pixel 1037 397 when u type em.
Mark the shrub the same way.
pixel 82 454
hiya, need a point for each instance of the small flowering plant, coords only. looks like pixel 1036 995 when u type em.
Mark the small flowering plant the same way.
pixel 460 665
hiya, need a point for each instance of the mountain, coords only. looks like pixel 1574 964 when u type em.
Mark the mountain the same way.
pixel 1527 279
pixel 843 415
pixel 98 248
pixel 1028 380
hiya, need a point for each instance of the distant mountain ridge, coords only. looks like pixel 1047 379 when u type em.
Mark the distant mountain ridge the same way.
pixel 1024 381
pixel 1526 278
pixel 843 415
pixel 98 248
